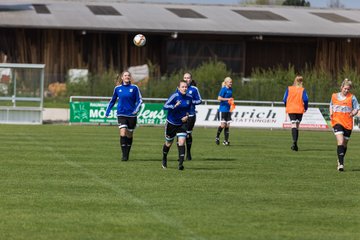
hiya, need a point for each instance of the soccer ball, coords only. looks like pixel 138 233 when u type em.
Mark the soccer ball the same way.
pixel 139 40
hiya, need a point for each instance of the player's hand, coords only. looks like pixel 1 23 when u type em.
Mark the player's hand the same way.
pixel 184 119
pixel 177 103
pixel 353 113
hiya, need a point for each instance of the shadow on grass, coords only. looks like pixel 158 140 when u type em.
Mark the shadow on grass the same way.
pixel 236 145
pixel 175 160
pixel 355 170
pixel 218 159
pixel 314 150
pixel 150 160
pixel 209 168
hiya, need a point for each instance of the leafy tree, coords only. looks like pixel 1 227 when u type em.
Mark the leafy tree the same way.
pixel 261 2
pixel 296 3
pixel 335 4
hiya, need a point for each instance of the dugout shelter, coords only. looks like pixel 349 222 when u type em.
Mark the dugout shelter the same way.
pixel 21 93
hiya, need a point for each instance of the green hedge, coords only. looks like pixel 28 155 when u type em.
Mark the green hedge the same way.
pixel 265 84
pixel 207 76
pixel 270 85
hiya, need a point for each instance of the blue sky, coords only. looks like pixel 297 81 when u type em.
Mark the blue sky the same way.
pixel 346 3
pixel 314 3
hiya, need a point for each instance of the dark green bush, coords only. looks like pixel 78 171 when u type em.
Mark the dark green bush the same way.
pixel 270 84
pixel 95 85
pixel 265 84
pixel 208 77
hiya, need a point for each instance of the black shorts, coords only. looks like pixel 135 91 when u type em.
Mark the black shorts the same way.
pixel 339 129
pixel 191 123
pixel 172 130
pixel 295 117
pixel 127 122
pixel 225 117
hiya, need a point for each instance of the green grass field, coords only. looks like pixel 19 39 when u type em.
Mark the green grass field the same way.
pixel 67 182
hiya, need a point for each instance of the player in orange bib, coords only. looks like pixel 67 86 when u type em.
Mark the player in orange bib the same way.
pixel 343 107
pixel 296 103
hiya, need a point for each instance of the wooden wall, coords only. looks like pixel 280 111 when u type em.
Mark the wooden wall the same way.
pixel 334 55
pixel 274 52
pixel 61 50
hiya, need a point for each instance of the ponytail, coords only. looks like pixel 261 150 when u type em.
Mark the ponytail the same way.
pixel 346 82
pixel 298 81
pixel 226 80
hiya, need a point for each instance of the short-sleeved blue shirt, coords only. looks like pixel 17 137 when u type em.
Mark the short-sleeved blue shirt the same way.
pixel 225 93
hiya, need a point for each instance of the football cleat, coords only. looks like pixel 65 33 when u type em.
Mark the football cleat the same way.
pixel 340 167
pixel 217 141
pixel 181 167
pixel 294 148
pixel 226 143
pixel 164 164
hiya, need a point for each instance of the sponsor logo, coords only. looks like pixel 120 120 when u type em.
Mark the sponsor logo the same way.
pixel 253 115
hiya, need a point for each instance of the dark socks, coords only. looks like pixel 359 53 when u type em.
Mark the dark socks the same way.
pixel 165 152
pixel 188 146
pixel 128 147
pixel 181 154
pixel 219 131
pixel 123 144
pixel 341 154
pixel 295 135
pixel 226 134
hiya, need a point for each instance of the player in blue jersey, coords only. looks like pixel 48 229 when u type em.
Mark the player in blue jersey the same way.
pixel 194 92
pixel 178 106
pixel 224 96
pixel 129 102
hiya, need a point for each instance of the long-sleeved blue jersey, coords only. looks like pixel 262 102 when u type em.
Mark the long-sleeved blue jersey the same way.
pixel 129 100
pixel 194 92
pixel 175 114
pixel 225 93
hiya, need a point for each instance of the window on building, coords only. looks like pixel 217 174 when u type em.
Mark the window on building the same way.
pixel 334 17
pixel 260 15
pixel 185 13
pixel 41 9
pixel 103 10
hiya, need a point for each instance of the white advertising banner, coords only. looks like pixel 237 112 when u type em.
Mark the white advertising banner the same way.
pixel 258 117
pixel 357 123
pixel 311 119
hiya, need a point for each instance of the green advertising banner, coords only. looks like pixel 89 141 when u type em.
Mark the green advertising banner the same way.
pixel 94 112
pixel 152 113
